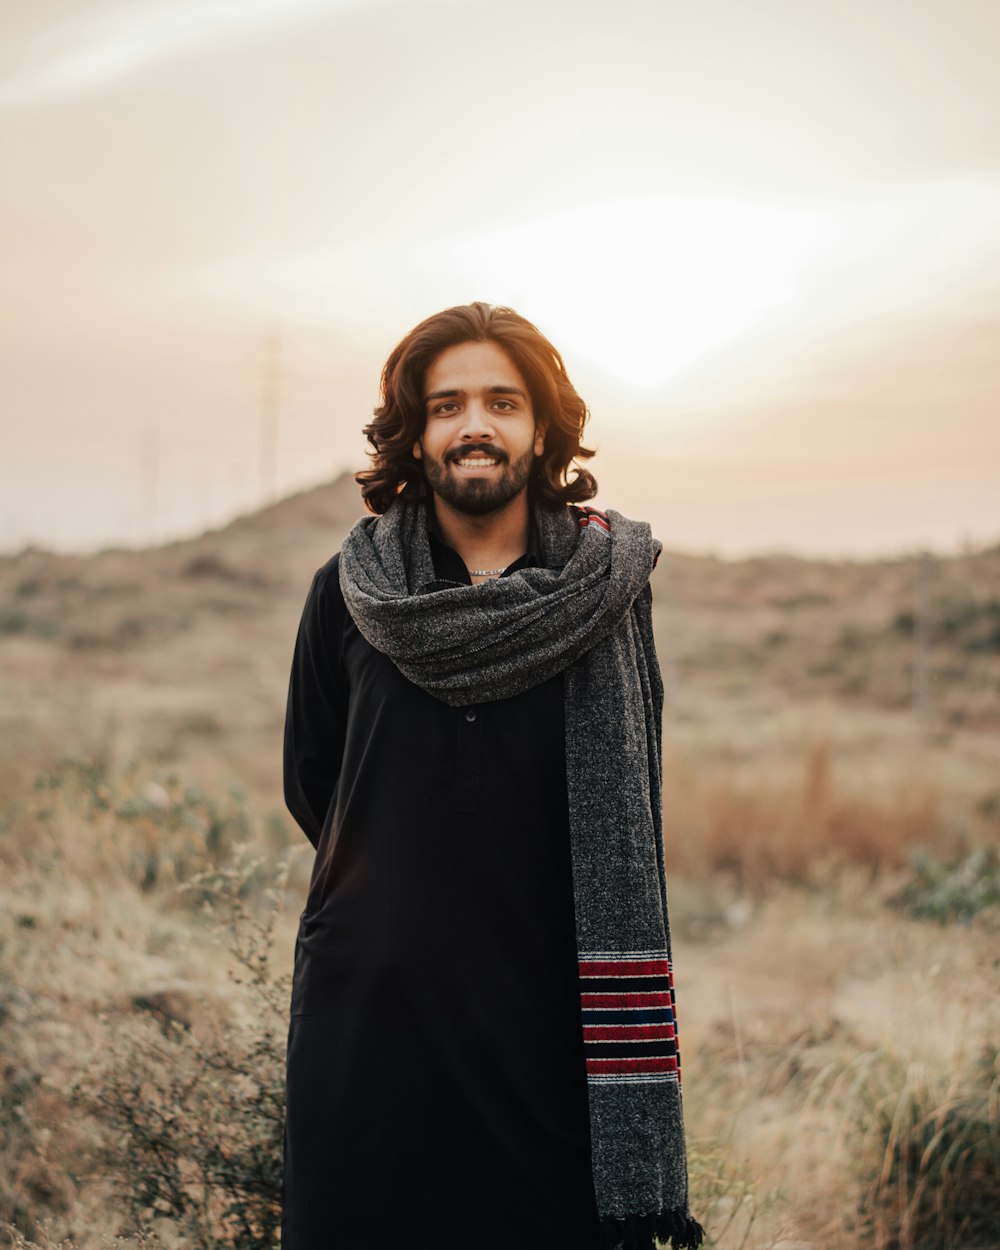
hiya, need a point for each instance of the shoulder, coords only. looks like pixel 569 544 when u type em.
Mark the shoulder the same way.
pixel 637 534
pixel 325 598
pixel 329 573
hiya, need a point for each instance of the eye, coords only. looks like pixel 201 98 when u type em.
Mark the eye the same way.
pixel 506 405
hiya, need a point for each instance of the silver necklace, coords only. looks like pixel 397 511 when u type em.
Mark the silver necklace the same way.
pixel 485 572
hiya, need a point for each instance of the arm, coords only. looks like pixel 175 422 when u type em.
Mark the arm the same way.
pixel 316 717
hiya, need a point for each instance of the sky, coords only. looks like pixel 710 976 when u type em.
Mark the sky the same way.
pixel 766 239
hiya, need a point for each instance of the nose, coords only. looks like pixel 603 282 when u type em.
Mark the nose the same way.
pixel 478 423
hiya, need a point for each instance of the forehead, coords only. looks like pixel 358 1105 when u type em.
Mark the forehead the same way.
pixel 472 366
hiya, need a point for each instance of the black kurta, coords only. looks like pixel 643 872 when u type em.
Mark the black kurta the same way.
pixel 437 1092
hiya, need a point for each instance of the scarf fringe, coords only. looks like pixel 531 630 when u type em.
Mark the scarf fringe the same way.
pixel 642 1232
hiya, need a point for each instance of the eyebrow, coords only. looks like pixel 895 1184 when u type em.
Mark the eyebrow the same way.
pixel 490 390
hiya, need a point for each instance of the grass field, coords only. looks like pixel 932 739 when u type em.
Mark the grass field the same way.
pixel 838 998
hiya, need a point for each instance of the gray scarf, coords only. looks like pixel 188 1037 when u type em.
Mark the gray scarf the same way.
pixel 585 614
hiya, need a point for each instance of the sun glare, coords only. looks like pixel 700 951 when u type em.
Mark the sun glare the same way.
pixel 644 288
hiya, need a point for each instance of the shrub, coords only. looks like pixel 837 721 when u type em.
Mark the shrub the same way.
pixel 955 891
pixel 973 624
pixel 17 621
pixel 154 1113
pixel 18 1082
pixel 192 1119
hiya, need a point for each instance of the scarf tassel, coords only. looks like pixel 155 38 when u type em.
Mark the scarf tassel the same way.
pixel 642 1232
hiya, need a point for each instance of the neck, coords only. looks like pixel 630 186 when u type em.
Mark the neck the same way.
pixel 486 542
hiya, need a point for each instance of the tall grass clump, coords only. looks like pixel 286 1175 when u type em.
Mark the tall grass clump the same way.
pixel 158 832
pixel 191 1119
pixel 801 830
pixel 927 1153
pixel 142 1025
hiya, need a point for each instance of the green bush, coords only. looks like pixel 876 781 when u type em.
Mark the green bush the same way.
pixel 974 624
pixel 949 892
pixel 18 621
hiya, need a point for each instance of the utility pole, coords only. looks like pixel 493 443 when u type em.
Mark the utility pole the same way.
pixel 270 416
pixel 921 647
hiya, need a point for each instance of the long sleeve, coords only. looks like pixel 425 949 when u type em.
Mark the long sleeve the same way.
pixel 316 716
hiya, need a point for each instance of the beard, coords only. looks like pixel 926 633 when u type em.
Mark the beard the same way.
pixel 479 496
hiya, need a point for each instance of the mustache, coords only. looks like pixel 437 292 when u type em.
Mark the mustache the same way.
pixel 459 453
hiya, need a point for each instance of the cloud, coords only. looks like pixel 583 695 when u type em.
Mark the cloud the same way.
pixel 87 53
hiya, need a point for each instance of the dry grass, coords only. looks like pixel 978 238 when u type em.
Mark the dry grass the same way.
pixel 929 1141
pixel 827 1036
pixel 802 1029
pixel 840 630
pixel 784 1002
pixel 769 830
pixel 144 1016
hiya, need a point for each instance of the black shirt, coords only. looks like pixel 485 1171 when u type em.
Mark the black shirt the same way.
pixel 436 1069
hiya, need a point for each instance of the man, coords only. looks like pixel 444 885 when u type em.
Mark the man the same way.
pixel 482 1052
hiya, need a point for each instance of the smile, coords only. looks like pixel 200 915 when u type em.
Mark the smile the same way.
pixel 479 462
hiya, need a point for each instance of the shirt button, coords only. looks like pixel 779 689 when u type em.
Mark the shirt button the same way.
pixel 470 715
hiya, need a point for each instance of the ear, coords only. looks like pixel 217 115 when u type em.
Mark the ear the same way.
pixel 418 452
pixel 539 440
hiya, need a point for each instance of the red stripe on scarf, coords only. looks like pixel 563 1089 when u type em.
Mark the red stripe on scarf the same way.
pixel 629 1032
pixel 603 1066
pixel 624 968
pixel 658 998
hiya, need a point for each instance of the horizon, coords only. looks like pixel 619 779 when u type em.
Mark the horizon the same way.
pixel 779 298
pixel 964 547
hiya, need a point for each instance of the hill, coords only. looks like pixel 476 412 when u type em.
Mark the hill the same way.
pixel 179 654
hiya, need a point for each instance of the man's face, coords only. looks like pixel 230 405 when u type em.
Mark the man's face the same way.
pixel 480 437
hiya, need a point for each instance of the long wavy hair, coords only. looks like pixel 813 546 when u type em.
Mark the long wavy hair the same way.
pixel 401 415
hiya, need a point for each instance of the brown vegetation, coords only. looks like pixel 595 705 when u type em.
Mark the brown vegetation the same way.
pixel 839 1084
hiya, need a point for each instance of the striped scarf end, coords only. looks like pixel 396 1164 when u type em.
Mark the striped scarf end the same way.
pixel 642 1232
